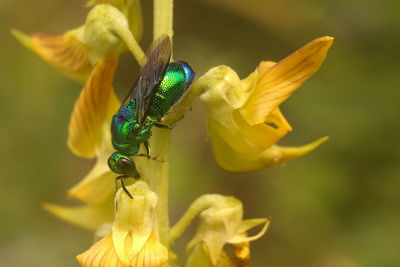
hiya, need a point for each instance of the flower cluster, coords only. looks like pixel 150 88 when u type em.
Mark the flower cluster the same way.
pixel 244 124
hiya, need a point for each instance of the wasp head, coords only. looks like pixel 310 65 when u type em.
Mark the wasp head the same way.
pixel 123 164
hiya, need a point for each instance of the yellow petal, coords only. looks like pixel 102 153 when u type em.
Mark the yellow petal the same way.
pixel 94 107
pixel 98 185
pixel 247 138
pixel 280 81
pixel 259 136
pixel 153 254
pixel 103 254
pixel 90 217
pixel 64 52
pixel 236 161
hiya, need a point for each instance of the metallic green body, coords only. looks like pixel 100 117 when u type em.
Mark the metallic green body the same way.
pixel 171 89
pixel 128 133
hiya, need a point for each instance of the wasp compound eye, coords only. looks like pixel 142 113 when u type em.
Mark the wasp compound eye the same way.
pixel 125 164
pixel 122 164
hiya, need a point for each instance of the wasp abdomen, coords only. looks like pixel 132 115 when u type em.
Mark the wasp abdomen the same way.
pixel 174 84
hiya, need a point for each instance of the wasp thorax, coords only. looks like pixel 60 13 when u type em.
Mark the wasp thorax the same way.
pixel 122 164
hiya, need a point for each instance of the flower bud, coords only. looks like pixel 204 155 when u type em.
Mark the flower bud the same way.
pixel 101 31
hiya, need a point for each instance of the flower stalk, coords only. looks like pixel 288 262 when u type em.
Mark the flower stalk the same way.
pixel 126 35
pixel 158 173
pixel 163 18
pixel 161 138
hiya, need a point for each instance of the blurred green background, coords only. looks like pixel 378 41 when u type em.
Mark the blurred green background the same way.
pixel 338 206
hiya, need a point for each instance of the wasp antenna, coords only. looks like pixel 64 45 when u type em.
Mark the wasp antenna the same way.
pixel 122 177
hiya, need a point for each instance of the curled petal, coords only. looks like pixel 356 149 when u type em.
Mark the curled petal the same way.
pixel 90 217
pixel 248 224
pixel 93 109
pixel 64 52
pixel 233 160
pixel 276 84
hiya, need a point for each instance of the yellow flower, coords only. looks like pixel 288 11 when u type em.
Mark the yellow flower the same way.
pixel 77 51
pixel 133 240
pixel 243 117
pixel 219 225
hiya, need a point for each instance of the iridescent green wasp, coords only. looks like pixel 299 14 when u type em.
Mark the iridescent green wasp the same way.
pixel 159 86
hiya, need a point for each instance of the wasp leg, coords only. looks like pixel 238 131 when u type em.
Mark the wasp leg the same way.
pixel 153 158
pixel 122 177
pixel 163 126
pixel 147 147
pixel 116 184
pixel 179 109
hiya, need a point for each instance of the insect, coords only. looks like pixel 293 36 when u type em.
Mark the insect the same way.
pixel 160 85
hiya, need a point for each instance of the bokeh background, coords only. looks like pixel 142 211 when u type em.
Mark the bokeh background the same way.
pixel 336 207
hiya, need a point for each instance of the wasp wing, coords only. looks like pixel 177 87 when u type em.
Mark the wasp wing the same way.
pixel 152 72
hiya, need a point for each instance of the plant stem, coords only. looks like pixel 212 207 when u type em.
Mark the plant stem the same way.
pixel 163 18
pixel 160 141
pixel 158 178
